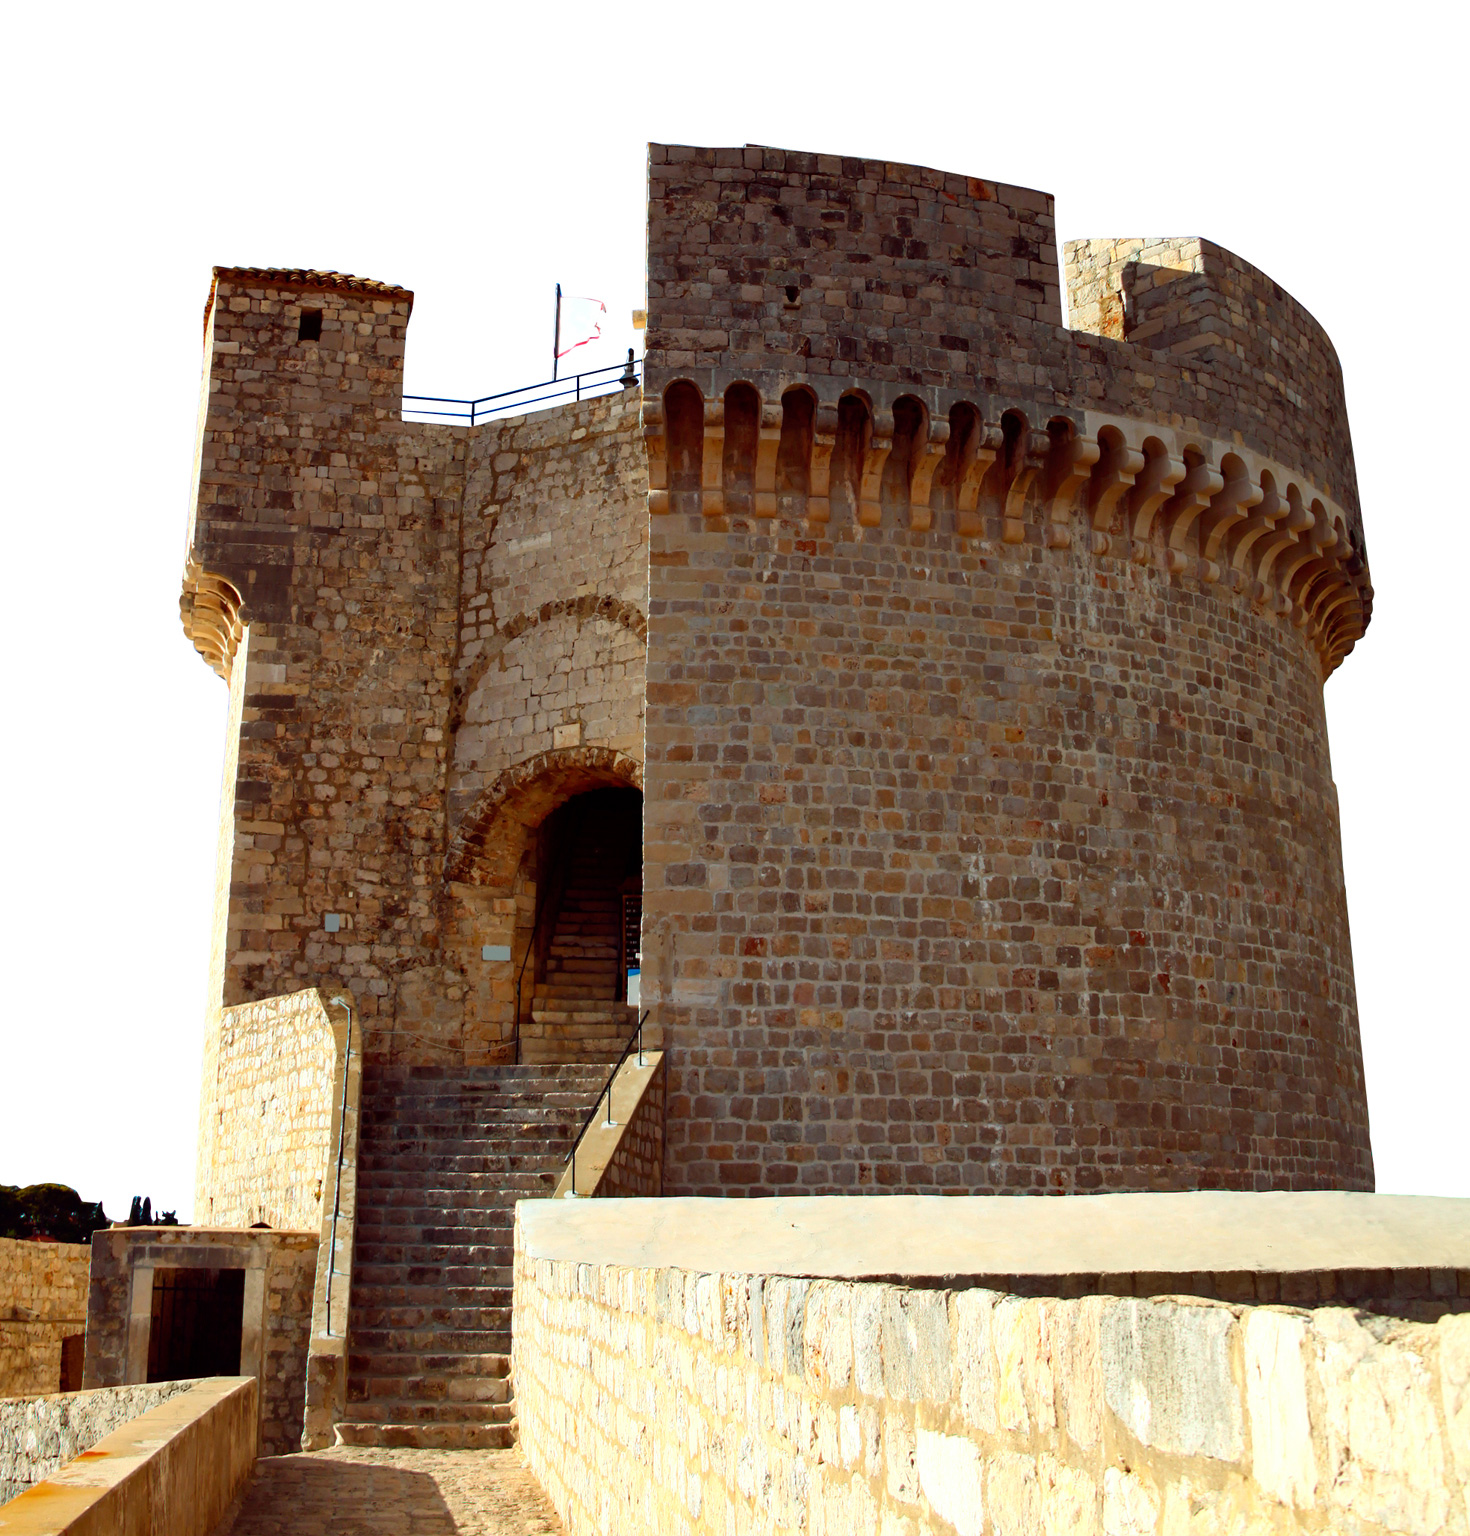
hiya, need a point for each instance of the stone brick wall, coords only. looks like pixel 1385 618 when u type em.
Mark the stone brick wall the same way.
pixel 39 1435
pixel 1206 308
pixel 988 846
pixel 280 1271
pixel 637 1166
pixel 273 1073
pixel 993 871
pixel 661 1400
pixel 43 1300
pixel 911 278
pixel 418 613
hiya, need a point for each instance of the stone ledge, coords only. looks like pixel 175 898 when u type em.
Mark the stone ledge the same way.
pixel 1030 1243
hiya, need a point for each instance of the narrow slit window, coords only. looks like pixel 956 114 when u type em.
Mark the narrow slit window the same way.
pixel 311 325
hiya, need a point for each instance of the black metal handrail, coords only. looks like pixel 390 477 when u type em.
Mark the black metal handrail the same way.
pixel 510 402
pixel 636 1038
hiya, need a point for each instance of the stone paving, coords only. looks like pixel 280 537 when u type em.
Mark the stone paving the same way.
pixel 374 1491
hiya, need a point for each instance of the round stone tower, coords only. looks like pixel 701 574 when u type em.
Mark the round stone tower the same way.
pixel 990 834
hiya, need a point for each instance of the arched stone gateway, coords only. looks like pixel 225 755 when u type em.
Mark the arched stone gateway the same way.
pixel 545 886
pixel 491 840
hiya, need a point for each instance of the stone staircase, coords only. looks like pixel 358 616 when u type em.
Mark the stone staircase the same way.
pixel 575 1012
pixel 445 1153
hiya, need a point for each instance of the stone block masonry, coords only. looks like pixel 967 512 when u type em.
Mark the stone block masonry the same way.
pixel 409 615
pixel 43 1300
pixel 273 1071
pixel 990 841
pixel 657 1398
pixel 38 1435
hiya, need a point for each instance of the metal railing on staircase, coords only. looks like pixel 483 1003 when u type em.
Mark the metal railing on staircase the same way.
pixel 635 1039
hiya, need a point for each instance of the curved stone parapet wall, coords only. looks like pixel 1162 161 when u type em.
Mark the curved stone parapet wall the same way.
pixel 991 835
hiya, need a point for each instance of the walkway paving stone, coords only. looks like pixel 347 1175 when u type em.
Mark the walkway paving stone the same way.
pixel 377 1491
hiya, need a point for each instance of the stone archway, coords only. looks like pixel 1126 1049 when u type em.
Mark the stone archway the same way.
pixel 500 869
pixel 490 842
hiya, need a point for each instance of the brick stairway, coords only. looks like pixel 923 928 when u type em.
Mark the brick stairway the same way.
pixel 575 1013
pixel 445 1153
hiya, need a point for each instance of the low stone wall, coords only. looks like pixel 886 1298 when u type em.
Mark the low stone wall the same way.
pixel 176 1468
pixel 627 1157
pixel 326 1361
pixel 280 1273
pixel 272 1073
pixel 637 1165
pixel 659 1398
pixel 43 1300
pixel 40 1434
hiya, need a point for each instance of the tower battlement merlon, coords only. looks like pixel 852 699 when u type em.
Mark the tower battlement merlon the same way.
pixel 891 334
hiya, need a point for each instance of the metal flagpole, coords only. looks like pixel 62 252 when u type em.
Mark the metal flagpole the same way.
pixel 556 339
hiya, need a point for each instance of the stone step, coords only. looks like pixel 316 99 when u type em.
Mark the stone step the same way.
pixel 429 1437
pixel 461 1299
pixel 424 1339
pixel 445 1156
pixel 432 1373
pixel 420 1251
pixel 373 1326
pixel 407 1167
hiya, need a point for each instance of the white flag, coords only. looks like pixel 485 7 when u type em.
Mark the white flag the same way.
pixel 581 322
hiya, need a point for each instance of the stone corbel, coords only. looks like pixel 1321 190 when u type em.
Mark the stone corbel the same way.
pixel 1194 493
pixel 766 451
pixel 921 487
pixel 1264 516
pixel 209 608
pixel 875 458
pixel 656 445
pixel 1150 491
pixel 1069 467
pixel 712 477
pixel 1297 522
pixel 1314 555
pixel 1111 481
pixel 1033 461
pixel 969 520
pixel 1228 506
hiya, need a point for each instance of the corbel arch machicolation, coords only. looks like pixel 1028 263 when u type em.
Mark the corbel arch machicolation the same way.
pixel 1013 478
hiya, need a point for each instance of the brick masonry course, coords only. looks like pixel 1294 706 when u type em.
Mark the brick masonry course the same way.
pixel 43 1300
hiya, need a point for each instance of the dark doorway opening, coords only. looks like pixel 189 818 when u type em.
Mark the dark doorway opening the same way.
pixel 197 1321
pixel 590 898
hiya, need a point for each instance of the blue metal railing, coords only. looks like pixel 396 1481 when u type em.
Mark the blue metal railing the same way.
pixel 511 402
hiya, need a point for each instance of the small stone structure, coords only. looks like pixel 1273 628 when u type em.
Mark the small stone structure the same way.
pixel 655 1395
pixel 276 1319
pixel 43 1302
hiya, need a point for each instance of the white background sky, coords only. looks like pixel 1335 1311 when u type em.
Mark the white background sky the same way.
pixel 479 154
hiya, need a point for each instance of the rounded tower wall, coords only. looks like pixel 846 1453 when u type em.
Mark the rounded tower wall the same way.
pixel 991 837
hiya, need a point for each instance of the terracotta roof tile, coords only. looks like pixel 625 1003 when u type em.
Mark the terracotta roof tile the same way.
pixel 304 277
